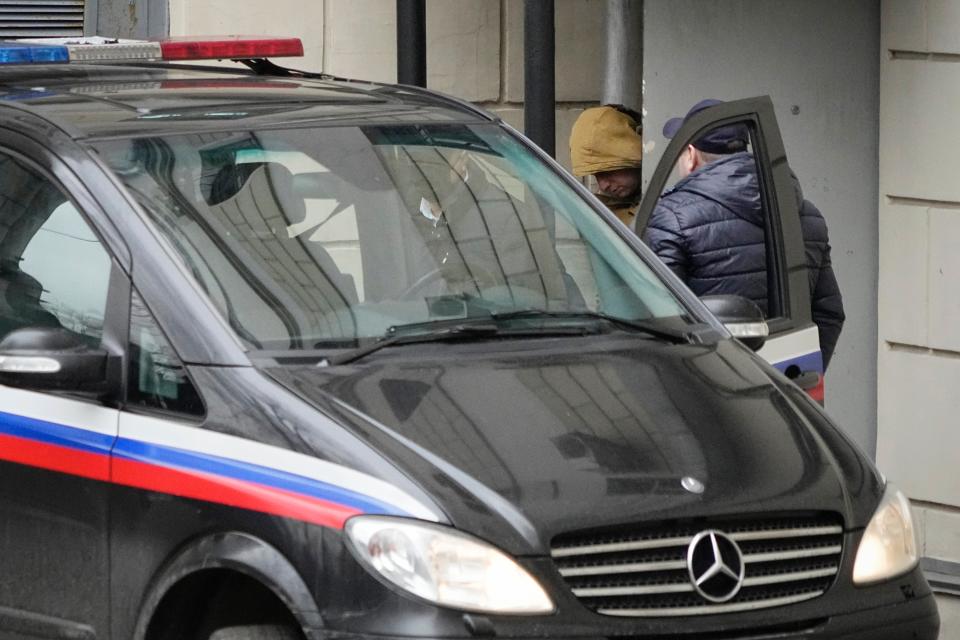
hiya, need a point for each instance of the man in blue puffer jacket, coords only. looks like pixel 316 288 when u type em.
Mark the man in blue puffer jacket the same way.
pixel 709 228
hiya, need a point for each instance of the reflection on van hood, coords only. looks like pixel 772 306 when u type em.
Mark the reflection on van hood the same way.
pixel 522 440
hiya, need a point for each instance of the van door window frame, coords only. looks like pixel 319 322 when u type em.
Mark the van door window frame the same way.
pixel 47 165
pixel 788 287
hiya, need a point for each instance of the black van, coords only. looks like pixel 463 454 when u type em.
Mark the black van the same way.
pixel 286 356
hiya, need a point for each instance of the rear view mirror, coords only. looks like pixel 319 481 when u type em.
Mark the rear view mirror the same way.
pixel 742 317
pixel 53 359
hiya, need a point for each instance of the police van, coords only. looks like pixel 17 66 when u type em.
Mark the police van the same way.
pixel 285 355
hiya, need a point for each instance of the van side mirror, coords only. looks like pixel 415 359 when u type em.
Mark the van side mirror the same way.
pixel 742 317
pixel 53 359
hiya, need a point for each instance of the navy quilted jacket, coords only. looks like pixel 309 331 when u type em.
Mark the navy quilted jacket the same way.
pixel 709 229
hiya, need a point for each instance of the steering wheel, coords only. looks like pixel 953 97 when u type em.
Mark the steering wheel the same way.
pixel 412 292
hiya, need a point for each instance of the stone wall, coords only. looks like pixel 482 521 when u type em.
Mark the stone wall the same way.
pixel 918 440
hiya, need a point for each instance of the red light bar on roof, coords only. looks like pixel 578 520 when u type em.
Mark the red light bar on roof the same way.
pixel 229 48
pixel 99 49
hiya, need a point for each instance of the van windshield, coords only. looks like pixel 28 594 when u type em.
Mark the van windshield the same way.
pixel 325 236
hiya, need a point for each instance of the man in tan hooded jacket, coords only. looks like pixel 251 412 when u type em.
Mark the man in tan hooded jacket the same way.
pixel 605 143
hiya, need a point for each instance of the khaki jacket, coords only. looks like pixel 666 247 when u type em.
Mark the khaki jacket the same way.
pixel 605 139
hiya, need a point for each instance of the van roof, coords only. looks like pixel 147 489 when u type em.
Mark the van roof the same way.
pixel 110 100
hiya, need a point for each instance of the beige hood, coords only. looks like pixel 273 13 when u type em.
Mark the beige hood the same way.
pixel 604 139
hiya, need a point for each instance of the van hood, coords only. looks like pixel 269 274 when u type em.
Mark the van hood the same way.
pixel 519 441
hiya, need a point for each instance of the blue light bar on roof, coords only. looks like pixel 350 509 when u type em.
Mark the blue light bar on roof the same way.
pixel 23 53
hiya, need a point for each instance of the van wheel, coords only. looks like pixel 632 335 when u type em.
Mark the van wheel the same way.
pixel 256 632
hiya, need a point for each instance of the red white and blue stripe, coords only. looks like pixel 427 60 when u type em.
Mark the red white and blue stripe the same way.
pixel 798 351
pixel 76 438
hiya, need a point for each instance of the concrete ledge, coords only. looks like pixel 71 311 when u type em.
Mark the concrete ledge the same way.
pixel 943 575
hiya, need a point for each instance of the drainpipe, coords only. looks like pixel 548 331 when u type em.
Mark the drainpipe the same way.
pixel 412 42
pixel 623 74
pixel 539 87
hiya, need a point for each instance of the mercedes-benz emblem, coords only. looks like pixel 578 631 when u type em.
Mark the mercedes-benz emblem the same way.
pixel 715 565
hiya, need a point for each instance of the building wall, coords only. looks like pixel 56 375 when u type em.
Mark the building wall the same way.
pixel 817 60
pixel 127 18
pixel 918 444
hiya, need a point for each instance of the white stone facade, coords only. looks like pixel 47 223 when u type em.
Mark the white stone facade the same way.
pixel 918 439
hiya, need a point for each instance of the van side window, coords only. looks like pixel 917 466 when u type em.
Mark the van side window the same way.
pixel 714 226
pixel 53 270
pixel 158 379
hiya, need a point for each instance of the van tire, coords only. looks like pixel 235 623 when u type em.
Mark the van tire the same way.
pixel 256 632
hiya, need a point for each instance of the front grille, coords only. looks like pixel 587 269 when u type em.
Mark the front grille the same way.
pixel 643 571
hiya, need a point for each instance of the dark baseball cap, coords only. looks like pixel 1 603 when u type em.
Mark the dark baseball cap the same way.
pixel 722 140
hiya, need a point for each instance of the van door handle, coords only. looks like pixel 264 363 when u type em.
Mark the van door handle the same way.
pixel 806 380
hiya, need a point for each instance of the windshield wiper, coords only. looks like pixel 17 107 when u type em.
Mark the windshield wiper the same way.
pixel 442 331
pixel 491 325
pixel 460 331
pixel 654 329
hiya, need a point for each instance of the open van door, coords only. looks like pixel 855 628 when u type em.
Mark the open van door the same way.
pixel 793 344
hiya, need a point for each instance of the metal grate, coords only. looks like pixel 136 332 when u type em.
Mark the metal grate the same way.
pixel 643 572
pixel 41 18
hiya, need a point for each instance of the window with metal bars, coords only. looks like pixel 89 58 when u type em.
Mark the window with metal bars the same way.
pixel 41 18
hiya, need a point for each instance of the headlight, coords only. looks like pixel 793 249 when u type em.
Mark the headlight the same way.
pixel 445 566
pixel 888 547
